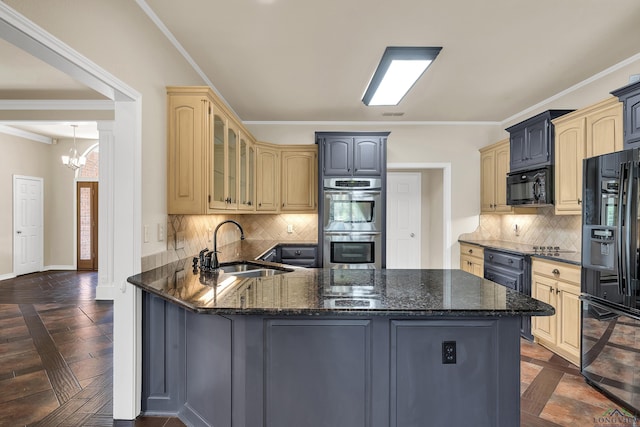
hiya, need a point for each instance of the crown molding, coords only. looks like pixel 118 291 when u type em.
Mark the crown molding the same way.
pixel 8 130
pixel 56 104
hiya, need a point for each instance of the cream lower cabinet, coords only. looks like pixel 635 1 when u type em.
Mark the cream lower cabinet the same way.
pixel 582 134
pixel 557 284
pixel 494 167
pixel 472 259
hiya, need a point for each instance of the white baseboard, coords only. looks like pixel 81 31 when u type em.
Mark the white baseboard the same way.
pixel 7 276
pixel 58 267
pixel 105 292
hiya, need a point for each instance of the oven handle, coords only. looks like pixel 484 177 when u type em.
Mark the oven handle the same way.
pixel 374 193
pixel 352 233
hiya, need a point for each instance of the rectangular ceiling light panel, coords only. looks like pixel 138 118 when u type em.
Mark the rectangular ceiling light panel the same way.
pixel 399 69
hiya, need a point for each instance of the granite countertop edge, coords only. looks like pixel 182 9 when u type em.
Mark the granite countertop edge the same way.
pixel 402 293
pixel 319 312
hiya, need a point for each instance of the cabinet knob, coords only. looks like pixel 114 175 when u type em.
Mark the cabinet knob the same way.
pixel 550 290
pixel 556 272
pixel 510 261
pixel 470 251
pixel 490 256
pixel 579 201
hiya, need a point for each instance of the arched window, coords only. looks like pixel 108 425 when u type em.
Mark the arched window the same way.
pixel 91 168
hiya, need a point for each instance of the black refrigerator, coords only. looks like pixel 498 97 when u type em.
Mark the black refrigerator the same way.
pixel 610 359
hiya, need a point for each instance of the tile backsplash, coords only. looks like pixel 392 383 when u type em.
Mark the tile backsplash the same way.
pixel 188 234
pixel 544 228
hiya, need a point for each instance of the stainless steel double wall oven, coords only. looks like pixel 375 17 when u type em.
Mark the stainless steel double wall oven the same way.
pixel 352 223
pixel 352 173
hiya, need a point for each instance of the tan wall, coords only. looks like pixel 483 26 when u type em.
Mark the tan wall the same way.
pixel 433 225
pixel 24 157
pixel 120 38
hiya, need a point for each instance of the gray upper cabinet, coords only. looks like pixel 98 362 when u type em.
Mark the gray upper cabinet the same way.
pixel 337 156
pixel 352 154
pixel 367 155
pixel 532 141
pixel 630 97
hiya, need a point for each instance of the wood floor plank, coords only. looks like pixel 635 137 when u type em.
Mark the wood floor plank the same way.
pixel 62 379
pixel 535 397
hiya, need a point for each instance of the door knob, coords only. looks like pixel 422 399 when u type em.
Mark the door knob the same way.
pixel 413 235
pixel 19 232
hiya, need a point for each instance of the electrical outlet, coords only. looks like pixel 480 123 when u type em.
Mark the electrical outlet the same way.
pixel 146 234
pixel 449 352
pixel 160 233
pixel 289 228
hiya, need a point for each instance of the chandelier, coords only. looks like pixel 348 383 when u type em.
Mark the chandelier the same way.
pixel 72 160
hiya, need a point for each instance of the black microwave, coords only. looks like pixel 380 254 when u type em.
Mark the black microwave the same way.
pixel 533 187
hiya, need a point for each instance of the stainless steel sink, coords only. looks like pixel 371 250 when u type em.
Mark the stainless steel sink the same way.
pixel 252 269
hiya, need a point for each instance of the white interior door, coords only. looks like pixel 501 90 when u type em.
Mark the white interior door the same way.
pixel 403 220
pixel 27 224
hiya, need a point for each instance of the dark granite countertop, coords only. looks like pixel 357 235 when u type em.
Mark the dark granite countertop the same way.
pixel 526 249
pixel 425 293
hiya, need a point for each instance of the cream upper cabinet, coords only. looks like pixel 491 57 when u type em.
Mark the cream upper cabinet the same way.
pixel 472 259
pixel 202 153
pixel 494 167
pixel 299 179
pixel 225 163
pixel 558 284
pixel 189 123
pixel 215 165
pixel 246 173
pixel 267 179
pixel 217 162
pixel 582 134
pixel 570 150
pixel 604 128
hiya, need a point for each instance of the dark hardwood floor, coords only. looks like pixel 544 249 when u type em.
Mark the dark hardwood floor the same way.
pixel 56 358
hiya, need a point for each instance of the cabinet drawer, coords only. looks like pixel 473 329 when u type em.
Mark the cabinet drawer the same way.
pixel 556 270
pixel 298 252
pixel 515 262
pixel 471 250
pixel 510 279
pixel 300 262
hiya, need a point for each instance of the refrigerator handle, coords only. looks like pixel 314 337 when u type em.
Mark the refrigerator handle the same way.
pixel 622 276
pixel 632 230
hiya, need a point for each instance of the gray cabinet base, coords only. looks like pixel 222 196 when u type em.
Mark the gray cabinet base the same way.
pixel 269 371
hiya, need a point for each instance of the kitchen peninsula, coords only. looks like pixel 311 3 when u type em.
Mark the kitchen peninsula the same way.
pixel 321 347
